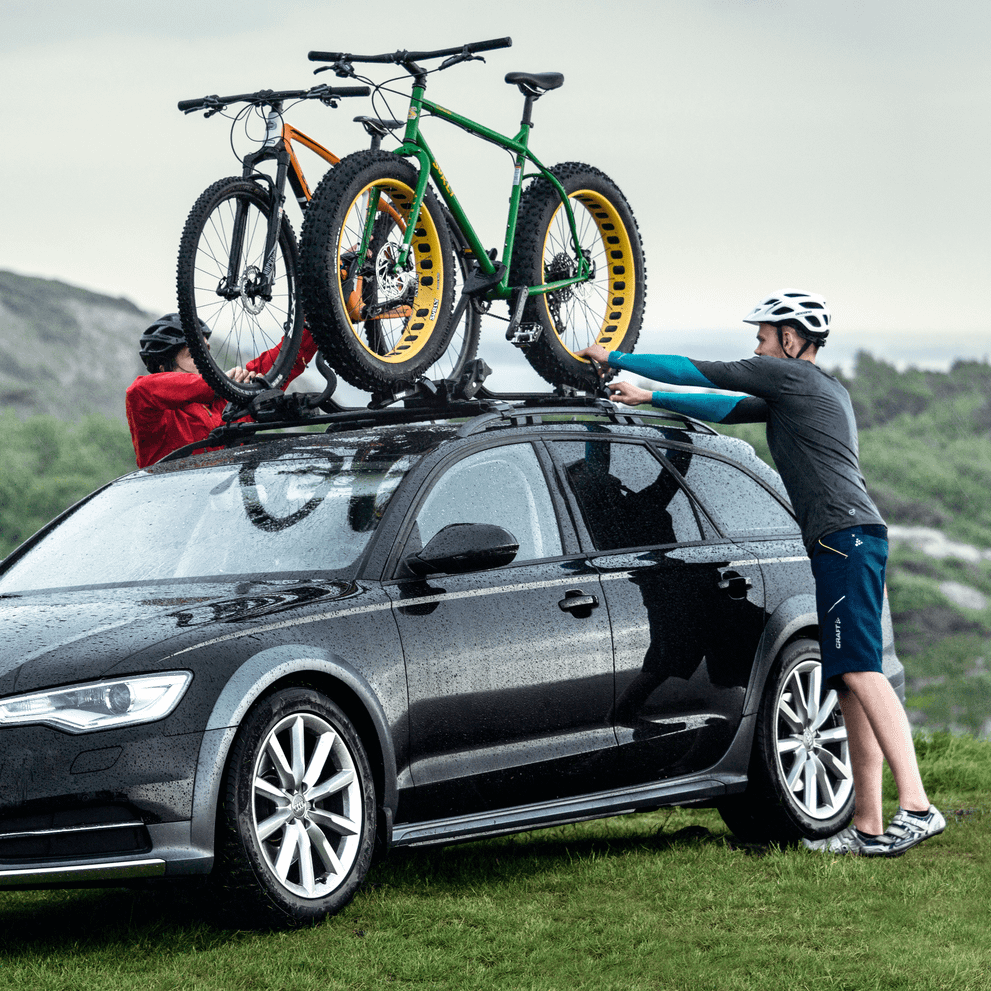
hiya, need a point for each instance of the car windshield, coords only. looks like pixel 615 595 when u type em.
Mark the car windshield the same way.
pixel 306 511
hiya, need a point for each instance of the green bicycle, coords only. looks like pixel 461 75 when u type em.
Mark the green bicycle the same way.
pixel 376 263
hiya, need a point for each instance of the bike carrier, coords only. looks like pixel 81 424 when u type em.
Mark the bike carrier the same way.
pixel 423 401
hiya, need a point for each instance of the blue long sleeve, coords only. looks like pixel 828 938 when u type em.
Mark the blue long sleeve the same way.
pixel 714 408
pixel 671 368
pixel 678 370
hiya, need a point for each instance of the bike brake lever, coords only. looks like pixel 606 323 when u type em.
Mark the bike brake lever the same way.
pixel 462 57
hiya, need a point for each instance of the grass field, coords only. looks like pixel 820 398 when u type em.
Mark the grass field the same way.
pixel 664 900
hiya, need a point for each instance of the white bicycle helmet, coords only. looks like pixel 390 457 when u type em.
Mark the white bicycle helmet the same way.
pixel 807 312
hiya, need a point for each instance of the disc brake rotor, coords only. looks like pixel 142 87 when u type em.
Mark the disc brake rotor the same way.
pixel 249 290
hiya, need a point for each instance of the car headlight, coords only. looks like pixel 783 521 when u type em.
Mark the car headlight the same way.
pixel 98 705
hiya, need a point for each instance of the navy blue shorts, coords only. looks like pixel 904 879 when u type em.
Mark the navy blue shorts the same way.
pixel 848 567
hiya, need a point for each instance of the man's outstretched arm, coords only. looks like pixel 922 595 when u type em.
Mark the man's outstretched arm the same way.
pixel 676 370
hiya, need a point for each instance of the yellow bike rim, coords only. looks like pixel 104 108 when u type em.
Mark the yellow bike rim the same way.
pixel 600 310
pixel 394 318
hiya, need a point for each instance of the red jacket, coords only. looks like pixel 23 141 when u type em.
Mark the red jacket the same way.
pixel 166 410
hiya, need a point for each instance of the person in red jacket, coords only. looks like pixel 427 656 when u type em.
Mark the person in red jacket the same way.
pixel 173 405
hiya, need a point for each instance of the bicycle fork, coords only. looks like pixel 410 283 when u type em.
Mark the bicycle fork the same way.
pixel 254 285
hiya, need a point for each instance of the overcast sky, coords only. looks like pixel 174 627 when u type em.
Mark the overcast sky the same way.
pixel 837 145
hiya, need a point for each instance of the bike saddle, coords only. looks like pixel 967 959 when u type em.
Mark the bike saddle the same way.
pixel 532 82
pixel 375 125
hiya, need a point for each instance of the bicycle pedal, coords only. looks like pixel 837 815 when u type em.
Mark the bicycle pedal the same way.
pixel 518 335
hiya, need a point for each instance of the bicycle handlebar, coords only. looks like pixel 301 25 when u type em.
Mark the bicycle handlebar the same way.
pixel 402 57
pixel 273 96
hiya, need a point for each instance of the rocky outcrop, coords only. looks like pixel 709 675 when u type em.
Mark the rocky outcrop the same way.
pixel 65 351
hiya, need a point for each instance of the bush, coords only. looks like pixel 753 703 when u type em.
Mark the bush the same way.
pixel 46 465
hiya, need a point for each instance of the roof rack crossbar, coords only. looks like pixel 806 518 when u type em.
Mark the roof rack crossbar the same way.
pixel 483 412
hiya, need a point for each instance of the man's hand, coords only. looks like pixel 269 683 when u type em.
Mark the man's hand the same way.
pixel 239 374
pixel 630 395
pixel 596 352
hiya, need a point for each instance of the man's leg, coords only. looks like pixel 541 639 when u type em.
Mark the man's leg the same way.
pixel 865 761
pixel 875 702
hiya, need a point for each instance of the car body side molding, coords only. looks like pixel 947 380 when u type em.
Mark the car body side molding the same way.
pixel 699 788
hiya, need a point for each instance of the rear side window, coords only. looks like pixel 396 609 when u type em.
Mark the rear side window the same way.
pixel 741 506
pixel 626 496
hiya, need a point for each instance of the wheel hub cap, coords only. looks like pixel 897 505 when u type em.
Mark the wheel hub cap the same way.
pixel 813 751
pixel 298 805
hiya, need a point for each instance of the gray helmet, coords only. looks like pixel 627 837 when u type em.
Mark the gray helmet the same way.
pixel 163 340
pixel 806 312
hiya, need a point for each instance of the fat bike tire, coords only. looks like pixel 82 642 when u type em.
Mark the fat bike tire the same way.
pixel 246 316
pixel 608 309
pixel 379 328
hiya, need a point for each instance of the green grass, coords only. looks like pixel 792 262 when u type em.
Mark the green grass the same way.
pixel 664 900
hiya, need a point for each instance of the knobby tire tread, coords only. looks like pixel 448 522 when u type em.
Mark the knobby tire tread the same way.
pixel 196 223
pixel 320 285
pixel 548 355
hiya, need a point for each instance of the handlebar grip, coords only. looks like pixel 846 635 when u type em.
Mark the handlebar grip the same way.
pixel 488 46
pixel 326 56
pixel 191 104
pixel 349 90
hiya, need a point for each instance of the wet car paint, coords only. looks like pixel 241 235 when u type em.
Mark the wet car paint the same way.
pixel 486 702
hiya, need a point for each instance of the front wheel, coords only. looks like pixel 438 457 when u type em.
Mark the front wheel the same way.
pixel 380 320
pixel 298 818
pixel 607 308
pixel 801 782
pixel 222 281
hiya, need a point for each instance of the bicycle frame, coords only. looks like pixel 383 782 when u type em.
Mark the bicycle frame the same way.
pixel 414 145
pixel 278 147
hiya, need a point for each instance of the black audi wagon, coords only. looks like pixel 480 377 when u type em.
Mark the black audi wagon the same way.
pixel 272 662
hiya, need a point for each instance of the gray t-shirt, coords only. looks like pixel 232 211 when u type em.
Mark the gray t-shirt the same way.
pixel 812 434
pixel 811 428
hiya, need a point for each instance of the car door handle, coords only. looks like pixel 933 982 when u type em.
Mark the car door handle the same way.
pixel 737 585
pixel 576 601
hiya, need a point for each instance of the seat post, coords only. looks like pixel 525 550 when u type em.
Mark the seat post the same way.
pixel 528 110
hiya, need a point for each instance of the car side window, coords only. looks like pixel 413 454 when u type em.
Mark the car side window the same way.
pixel 626 496
pixel 741 506
pixel 501 485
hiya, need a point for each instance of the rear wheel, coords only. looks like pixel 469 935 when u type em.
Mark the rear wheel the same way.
pixel 380 323
pixel 608 308
pixel 221 281
pixel 801 782
pixel 299 811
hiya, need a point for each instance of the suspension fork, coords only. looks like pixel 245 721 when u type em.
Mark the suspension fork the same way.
pixel 273 149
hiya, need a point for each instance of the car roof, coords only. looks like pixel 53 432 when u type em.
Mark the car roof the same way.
pixel 431 418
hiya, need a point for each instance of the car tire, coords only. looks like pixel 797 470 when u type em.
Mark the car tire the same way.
pixel 800 779
pixel 297 823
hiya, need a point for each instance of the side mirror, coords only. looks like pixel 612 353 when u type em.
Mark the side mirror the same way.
pixel 461 547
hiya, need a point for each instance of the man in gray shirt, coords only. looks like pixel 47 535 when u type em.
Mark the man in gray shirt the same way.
pixel 812 435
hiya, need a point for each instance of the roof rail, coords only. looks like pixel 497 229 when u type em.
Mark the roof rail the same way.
pixel 487 410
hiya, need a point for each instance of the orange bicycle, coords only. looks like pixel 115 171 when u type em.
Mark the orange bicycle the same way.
pixel 238 255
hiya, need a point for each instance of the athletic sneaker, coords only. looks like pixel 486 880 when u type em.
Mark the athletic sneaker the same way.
pixel 850 840
pixel 907 830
